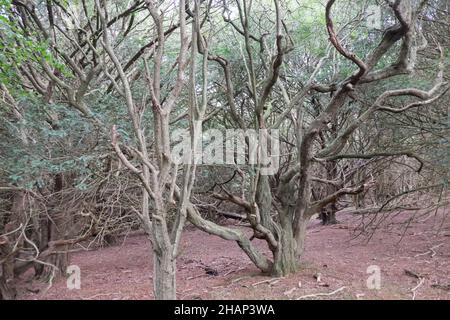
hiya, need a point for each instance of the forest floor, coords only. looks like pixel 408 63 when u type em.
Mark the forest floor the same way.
pixel 414 264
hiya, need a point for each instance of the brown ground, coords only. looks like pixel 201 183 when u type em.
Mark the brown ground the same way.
pixel 124 271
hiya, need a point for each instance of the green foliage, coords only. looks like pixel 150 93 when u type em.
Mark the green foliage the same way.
pixel 18 47
pixel 52 147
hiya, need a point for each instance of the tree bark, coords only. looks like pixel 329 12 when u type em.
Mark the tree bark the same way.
pixel 7 244
pixel 7 288
pixel 328 213
pixel 7 292
pixel 164 278
pixel 285 257
pixel 53 230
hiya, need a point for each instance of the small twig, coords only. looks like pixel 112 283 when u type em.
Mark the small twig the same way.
pixel 195 277
pixel 431 250
pixel 233 271
pixel 269 281
pixel 435 247
pixel 239 279
pixel 100 295
pixel 321 294
pixel 413 290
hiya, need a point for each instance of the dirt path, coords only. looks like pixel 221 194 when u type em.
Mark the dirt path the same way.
pixel 124 271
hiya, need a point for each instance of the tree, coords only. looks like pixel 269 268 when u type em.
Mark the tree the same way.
pixel 290 192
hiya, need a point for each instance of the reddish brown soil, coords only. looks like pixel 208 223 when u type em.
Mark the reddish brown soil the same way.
pixel 124 271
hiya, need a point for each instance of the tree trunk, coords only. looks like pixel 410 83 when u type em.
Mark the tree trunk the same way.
pixel 328 214
pixel 328 218
pixel 54 229
pixel 7 289
pixel 264 200
pixel 285 260
pixel 164 275
pixel 290 248
pixel 7 292
pixel 9 243
pixel 59 260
